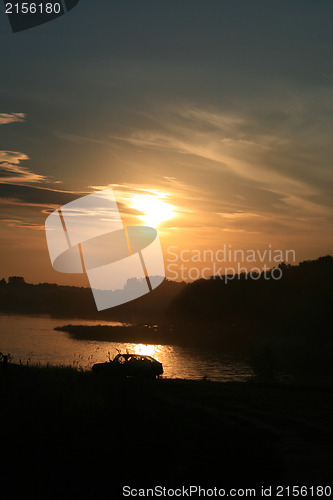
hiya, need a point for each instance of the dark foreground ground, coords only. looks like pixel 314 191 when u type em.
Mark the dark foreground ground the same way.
pixel 70 434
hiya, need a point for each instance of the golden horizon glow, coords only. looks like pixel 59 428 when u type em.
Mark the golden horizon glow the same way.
pixel 154 210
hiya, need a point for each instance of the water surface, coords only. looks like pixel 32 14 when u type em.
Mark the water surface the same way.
pixel 32 339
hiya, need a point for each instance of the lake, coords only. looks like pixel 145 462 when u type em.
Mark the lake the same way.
pixel 32 339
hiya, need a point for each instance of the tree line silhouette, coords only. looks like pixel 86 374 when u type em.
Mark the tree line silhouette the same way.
pixel 19 297
pixel 299 300
pixel 282 325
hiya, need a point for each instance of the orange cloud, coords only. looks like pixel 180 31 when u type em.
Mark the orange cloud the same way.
pixel 11 118
pixel 11 170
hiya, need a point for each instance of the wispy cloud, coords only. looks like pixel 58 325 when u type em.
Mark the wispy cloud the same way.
pixel 11 118
pixel 21 224
pixel 274 154
pixel 79 139
pixel 25 195
pixel 11 170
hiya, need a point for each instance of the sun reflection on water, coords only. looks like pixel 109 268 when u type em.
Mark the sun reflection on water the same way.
pixel 145 349
pixel 34 340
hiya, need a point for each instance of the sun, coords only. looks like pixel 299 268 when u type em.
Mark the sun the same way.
pixel 154 210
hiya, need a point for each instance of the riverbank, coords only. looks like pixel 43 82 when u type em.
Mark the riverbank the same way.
pixel 71 434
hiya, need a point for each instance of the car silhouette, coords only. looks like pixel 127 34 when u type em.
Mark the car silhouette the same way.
pixel 130 365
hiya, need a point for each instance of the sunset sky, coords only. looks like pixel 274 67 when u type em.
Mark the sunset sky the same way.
pixel 211 120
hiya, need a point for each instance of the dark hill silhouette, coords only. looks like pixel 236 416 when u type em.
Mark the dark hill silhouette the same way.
pixel 300 300
pixel 282 325
pixel 19 297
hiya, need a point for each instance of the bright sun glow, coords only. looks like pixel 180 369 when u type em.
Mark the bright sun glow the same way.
pixel 154 210
pixel 145 350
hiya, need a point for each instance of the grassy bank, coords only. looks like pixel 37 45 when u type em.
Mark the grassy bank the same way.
pixel 71 434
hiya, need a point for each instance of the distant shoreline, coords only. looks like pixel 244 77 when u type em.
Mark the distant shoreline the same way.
pixel 108 333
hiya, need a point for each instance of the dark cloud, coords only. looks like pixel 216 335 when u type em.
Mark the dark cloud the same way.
pixel 31 195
